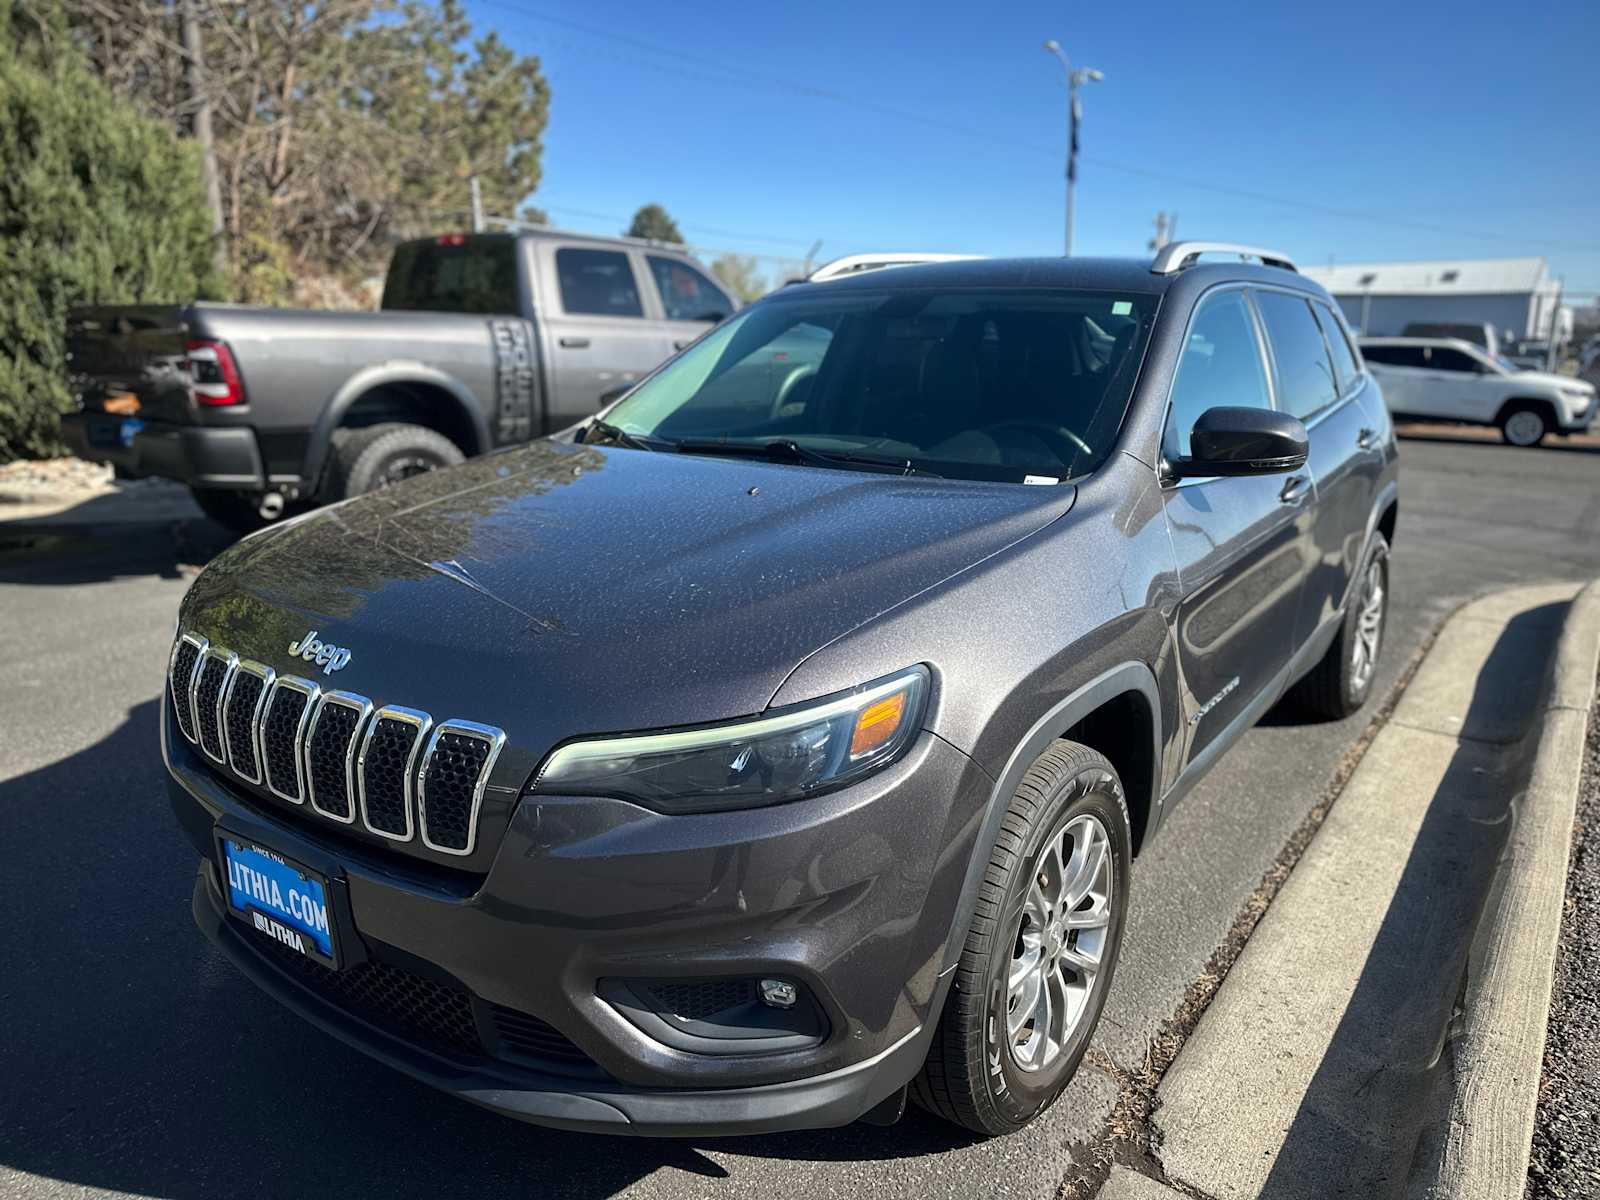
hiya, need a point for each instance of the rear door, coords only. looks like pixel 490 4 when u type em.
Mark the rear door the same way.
pixel 690 301
pixel 1239 542
pixel 596 327
pixel 1345 459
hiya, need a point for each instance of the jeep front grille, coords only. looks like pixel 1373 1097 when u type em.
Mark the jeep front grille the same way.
pixel 335 752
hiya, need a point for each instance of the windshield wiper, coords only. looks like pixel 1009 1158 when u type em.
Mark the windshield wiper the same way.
pixel 622 437
pixel 785 448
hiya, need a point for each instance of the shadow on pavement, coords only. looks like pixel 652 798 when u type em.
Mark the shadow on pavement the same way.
pixel 1373 1105
pixel 137 1060
pixel 62 552
pixel 1583 443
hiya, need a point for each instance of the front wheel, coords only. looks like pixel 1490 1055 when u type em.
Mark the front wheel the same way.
pixel 1524 425
pixel 1039 954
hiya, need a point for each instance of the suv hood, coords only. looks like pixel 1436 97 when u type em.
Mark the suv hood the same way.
pixel 560 590
pixel 1550 379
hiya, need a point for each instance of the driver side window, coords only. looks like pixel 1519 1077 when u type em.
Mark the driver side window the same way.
pixel 1221 364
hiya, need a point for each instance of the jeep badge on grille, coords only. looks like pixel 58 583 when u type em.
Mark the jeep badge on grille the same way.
pixel 329 657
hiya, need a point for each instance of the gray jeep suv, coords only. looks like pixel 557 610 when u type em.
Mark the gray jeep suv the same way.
pixel 776 744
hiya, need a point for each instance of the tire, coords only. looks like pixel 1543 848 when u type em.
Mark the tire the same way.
pixel 1524 424
pixel 978 1073
pixel 1342 681
pixel 368 459
pixel 236 511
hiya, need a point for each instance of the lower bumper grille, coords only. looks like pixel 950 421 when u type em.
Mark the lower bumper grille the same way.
pixel 427 1012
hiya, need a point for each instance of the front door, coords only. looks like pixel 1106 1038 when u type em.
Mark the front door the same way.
pixel 1240 543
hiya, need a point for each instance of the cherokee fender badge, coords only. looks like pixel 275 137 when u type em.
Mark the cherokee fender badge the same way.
pixel 329 657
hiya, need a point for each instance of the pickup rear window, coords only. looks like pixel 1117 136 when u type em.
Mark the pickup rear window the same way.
pixel 454 273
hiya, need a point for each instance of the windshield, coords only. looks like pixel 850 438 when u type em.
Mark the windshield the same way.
pixel 1018 385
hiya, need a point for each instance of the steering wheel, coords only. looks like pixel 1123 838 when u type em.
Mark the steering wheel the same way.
pixel 787 387
pixel 1058 437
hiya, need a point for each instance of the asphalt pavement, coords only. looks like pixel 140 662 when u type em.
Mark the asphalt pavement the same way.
pixel 134 1060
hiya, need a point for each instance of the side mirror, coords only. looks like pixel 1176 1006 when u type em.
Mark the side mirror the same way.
pixel 1243 441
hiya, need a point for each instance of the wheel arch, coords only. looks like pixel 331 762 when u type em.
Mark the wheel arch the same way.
pixel 1512 403
pixel 1118 713
pixel 409 392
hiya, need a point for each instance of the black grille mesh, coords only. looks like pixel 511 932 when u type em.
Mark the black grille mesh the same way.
pixel 696 999
pixel 527 1036
pixel 422 1010
pixel 212 673
pixel 387 996
pixel 452 777
pixel 240 712
pixel 278 727
pixel 182 670
pixel 325 757
pixel 383 775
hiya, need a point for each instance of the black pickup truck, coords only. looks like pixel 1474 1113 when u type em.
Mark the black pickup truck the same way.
pixel 483 340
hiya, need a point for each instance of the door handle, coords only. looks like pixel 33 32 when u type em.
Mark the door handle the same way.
pixel 1294 489
pixel 1366 439
pixel 575 343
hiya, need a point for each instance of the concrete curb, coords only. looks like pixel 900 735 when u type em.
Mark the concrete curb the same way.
pixel 1500 1045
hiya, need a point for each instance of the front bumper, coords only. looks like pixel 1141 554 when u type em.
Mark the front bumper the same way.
pixel 193 454
pixel 853 894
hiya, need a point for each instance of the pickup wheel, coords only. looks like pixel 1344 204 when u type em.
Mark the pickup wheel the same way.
pixel 1342 681
pixel 1524 424
pixel 373 458
pixel 1038 958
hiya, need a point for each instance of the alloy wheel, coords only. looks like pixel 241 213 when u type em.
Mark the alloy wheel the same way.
pixel 1060 942
pixel 1369 627
pixel 1524 428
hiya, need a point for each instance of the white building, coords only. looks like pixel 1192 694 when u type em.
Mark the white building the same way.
pixel 1514 295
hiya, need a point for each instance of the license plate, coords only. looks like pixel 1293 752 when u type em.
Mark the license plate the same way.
pixel 279 898
pixel 108 433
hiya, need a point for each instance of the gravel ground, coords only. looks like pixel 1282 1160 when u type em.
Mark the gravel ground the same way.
pixel 64 474
pixel 1566 1141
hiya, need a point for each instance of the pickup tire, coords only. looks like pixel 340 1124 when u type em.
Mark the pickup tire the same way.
pixel 1037 962
pixel 371 458
pixel 1341 682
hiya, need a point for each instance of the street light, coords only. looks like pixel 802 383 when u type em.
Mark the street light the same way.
pixel 1075 80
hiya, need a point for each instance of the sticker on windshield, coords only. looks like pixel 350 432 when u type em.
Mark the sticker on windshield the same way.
pixel 1121 308
pixel 1041 479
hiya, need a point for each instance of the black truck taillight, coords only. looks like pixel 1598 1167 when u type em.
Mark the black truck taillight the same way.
pixel 213 375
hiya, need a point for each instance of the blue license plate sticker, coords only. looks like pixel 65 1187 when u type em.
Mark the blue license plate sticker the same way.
pixel 279 898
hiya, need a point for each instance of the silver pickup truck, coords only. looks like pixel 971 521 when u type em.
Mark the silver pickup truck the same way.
pixel 483 340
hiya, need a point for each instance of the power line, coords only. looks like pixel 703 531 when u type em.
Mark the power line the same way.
pixel 988 137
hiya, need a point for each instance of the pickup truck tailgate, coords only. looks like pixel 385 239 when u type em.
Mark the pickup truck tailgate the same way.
pixel 130 361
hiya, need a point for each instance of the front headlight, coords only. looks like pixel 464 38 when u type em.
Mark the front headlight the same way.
pixel 765 760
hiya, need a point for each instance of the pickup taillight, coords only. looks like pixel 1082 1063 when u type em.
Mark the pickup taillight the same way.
pixel 213 375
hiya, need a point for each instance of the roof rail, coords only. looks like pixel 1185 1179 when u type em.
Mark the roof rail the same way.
pixel 1175 256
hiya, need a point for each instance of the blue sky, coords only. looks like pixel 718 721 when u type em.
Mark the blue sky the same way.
pixel 1354 132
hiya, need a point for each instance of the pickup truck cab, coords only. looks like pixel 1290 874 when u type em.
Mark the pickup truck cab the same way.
pixel 482 341
pixel 1448 379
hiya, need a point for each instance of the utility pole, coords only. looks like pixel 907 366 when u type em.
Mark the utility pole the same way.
pixel 1075 80
pixel 477 205
pixel 194 75
pixel 1163 234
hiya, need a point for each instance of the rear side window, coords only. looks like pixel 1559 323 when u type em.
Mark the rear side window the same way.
pixel 454 273
pixel 1395 356
pixel 597 283
pixel 1344 358
pixel 1443 358
pixel 1305 375
pixel 687 295
pixel 1221 365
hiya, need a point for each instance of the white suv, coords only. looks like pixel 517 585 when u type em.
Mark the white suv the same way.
pixel 1446 379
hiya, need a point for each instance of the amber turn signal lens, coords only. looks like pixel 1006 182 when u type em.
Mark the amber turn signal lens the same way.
pixel 877 724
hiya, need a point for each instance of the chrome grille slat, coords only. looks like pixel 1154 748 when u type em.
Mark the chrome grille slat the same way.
pixel 457 764
pixel 385 768
pixel 186 650
pixel 330 755
pixel 212 675
pixel 281 735
pixel 241 717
